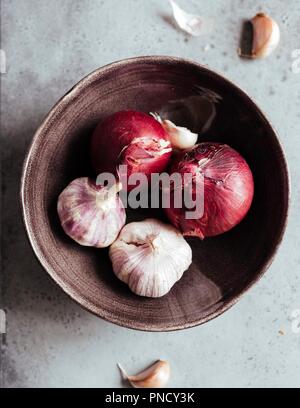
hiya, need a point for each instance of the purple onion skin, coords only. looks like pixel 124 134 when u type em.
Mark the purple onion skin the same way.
pixel 228 189
pixel 133 139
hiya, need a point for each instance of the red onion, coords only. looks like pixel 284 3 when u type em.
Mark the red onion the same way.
pixel 228 189
pixel 130 138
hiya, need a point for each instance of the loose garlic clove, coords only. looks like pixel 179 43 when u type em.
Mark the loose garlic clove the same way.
pixel 190 23
pixel 91 215
pixel 180 137
pixel 266 36
pixel 150 257
pixel 156 376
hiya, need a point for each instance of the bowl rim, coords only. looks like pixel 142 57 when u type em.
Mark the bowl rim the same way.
pixel 78 298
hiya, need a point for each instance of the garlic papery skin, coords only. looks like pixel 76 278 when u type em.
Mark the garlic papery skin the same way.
pixel 156 376
pixel 190 23
pixel 180 137
pixel 91 215
pixel 266 36
pixel 150 257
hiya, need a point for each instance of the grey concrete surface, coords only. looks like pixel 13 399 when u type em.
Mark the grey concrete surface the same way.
pixel 50 340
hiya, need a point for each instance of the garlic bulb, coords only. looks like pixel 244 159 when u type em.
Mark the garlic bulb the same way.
pixel 181 138
pixel 150 256
pixel 266 36
pixel 156 376
pixel 91 215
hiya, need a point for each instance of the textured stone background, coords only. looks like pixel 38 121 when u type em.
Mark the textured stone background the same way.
pixel 51 341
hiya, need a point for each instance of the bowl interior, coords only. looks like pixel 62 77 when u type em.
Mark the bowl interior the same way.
pixel 223 267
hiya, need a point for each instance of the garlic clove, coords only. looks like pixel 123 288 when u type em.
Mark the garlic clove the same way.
pixel 266 36
pixel 150 257
pixel 155 376
pixel 91 215
pixel 190 23
pixel 181 138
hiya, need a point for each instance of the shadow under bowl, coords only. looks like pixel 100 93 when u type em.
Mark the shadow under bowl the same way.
pixel 223 267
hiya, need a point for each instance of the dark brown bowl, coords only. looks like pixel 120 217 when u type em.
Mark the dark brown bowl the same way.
pixel 223 267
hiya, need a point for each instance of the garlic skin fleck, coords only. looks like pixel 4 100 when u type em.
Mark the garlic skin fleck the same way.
pixel 156 376
pixel 181 138
pixel 150 257
pixel 190 23
pixel 91 215
pixel 266 36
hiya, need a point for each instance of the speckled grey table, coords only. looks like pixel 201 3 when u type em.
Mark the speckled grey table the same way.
pixel 50 340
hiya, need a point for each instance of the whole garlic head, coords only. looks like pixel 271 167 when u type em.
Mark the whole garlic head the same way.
pixel 150 257
pixel 91 215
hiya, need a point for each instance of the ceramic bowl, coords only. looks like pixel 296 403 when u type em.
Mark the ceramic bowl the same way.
pixel 223 267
